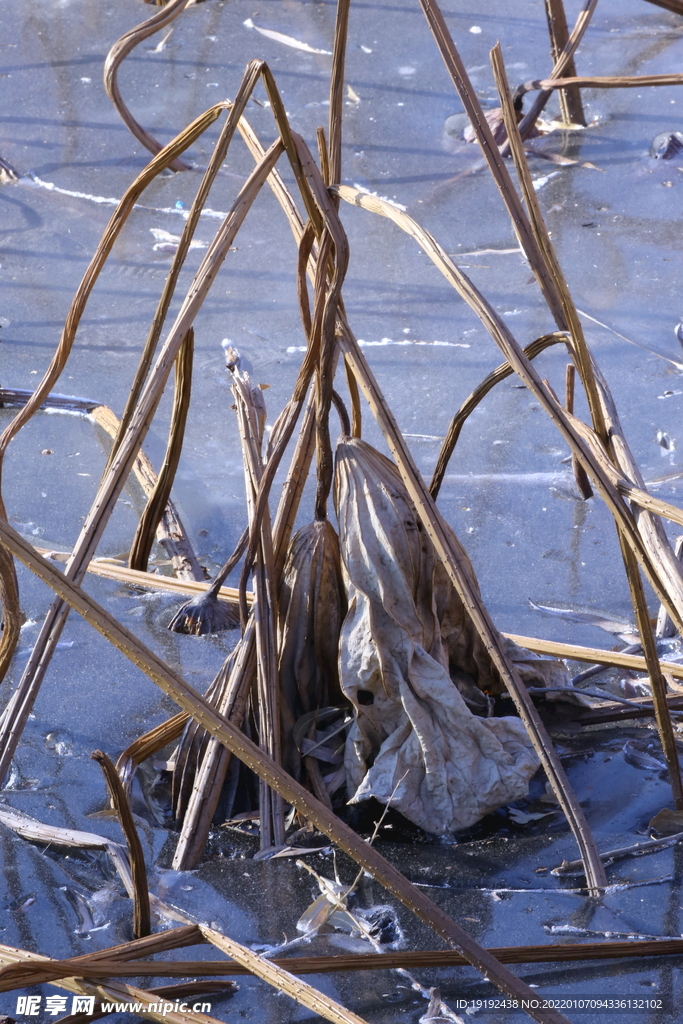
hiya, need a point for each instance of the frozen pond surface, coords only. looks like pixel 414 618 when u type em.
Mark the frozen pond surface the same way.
pixel 508 493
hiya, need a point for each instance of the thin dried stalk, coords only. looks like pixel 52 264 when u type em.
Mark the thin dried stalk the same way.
pixel 119 51
pixel 497 167
pixel 399 960
pixel 280 979
pixel 337 91
pixel 561 65
pixel 117 794
pixel 364 855
pixel 592 654
pixel 472 401
pixel 582 481
pixel 154 510
pixel 113 992
pixel 147 745
pixel 573 867
pixel 171 533
pixel 10 609
pixel 272 832
pixel 17 712
pixel 603 82
pixel 113 570
pixel 579 349
pixel 571 106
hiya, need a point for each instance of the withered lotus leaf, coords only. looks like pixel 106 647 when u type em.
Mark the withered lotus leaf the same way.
pixel 413 735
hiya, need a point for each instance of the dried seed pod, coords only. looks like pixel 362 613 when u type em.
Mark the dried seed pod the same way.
pixel 312 605
pixel 414 736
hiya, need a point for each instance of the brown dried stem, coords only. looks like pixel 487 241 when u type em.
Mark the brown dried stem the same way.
pixel 398 960
pixel 171 533
pixel 119 51
pixel 141 914
pixel 561 65
pixel 154 510
pixel 472 401
pixel 582 481
pixel 571 106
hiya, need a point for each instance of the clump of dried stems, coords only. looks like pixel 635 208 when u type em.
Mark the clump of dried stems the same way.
pixel 282 674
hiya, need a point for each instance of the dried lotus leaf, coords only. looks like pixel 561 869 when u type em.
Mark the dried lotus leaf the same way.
pixel 311 606
pixel 413 735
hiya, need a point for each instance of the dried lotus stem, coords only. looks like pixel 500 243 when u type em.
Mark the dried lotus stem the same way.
pixel 470 404
pixel 144 535
pixel 582 481
pixel 571 106
pixel 141 919
pixel 265 608
pixel 119 51
pixel 9 606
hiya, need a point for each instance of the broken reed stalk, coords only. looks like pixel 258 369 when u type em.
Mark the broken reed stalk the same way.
pixel 150 743
pixel 571 106
pixel 582 481
pixel 272 831
pixel 154 510
pixel 603 82
pixel 334 132
pixel 171 533
pixel 112 569
pixel 573 867
pixel 34 974
pixel 472 401
pixel 281 979
pixel 585 364
pixel 119 51
pixel 364 855
pixel 561 64
pixel 119 800
pixel 17 712
pixel 10 609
